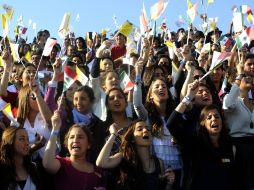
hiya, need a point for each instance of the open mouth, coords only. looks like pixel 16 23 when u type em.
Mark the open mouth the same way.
pixel 75 147
pixel 215 126
pixel 146 137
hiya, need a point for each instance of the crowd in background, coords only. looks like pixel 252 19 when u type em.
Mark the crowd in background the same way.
pixel 172 129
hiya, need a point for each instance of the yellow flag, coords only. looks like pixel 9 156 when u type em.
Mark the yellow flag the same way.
pixel 14 51
pixel 210 1
pixel 126 28
pixel 4 23
pixel 189 4
pixel 9 11
pixel 169 44
pixel 28 56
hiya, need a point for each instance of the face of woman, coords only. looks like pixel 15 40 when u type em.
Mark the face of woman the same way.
pixel 106 65
pixel 70 91
pixel 246 82
pixel 28 74
pixel 203 97
pixel 78 142
pixel 142 134
pixel 213 122
pixel 159 91
pixel 21 143
pixel 111 81
pixel 81 102
pixel 116 101
pixel 158 74
pixel 79 44
pixel 14 75
pixel 216 75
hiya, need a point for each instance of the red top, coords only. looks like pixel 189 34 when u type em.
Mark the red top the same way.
pixel 69 177
pixel 117 52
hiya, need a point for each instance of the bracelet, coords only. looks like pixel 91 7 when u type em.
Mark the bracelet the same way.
pixel 187 100
pixel 54 133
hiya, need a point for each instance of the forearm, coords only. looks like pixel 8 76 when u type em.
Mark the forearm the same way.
pixel 44 109
pixel 137 102
pixel 49 154
pixel 189 79
pixel 4 82
pixel 103 160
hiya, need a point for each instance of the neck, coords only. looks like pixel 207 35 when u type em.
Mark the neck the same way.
pixel 31 116
pixel 215 140
pixel 161 108
pixel 244 93
pixel 78 159
pixel 19 160
pixel 144 155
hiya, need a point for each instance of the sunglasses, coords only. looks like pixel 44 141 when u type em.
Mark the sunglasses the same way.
pixel 196 77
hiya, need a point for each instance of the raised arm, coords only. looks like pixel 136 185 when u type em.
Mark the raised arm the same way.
pixel 104 159
pixel 50 163
pixel 8 63
pixel 43 107
pixel 137 94
pixel 52 85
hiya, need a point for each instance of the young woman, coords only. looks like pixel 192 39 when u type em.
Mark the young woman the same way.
pixel 209 150
pixel 34 114
pixel 17 172
pixel 74 172
pixel 239 117
pixel 139 169
pixel 159 105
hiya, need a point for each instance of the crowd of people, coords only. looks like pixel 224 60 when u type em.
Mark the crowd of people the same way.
pixel 173 129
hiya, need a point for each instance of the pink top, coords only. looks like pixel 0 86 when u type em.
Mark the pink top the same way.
pixel 70 178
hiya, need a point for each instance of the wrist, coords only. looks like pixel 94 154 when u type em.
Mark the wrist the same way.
pixel 187 100
pixel 54 133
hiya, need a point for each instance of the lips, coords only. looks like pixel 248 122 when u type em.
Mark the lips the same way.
pixel 214 126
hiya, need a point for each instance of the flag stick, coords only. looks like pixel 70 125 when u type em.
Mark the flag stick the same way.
pixel 208 73
pixel 188 35
pixel 38 67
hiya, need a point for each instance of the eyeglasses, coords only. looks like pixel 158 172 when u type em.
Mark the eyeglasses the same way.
pixel 196 77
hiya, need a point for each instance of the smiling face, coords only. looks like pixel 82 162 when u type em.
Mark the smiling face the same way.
pixel 142 135
pixel 21 143
pixel 77 142
pixel 116 101
pixel 111 81
pixel 158 91
pixel 28 74
pixel 82 102
pixel 213 122
pixel 203 97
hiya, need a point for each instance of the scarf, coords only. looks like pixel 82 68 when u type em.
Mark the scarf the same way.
pixel 80 118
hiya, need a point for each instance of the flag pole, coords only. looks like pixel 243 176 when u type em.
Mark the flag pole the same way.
pixel 188 35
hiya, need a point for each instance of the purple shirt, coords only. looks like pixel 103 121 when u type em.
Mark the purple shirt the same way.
pixel 70 178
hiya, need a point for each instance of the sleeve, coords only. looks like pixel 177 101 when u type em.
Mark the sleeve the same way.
pixel 137 102
pixel 95 70
pixel 231 99
pixel 50 96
